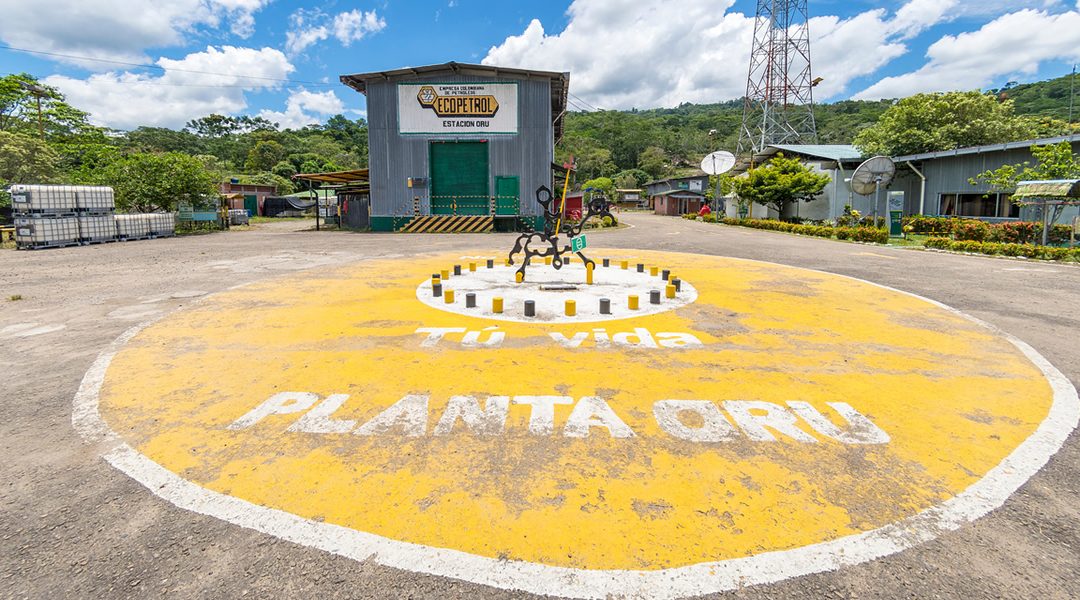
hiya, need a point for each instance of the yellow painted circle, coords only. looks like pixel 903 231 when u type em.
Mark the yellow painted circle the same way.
pixel 942 402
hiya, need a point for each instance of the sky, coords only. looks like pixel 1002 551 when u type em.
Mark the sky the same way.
pixel 161 63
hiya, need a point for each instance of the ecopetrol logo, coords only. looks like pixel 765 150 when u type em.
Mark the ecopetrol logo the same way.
pixel 466 105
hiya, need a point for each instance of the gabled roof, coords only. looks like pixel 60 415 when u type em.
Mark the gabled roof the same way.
pixel 683 178
pixel 1020 145
pixel 560 82
pixel 837 152
pixel 678 193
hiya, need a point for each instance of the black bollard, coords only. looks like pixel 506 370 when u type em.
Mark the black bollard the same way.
pixel 654 296
pixel 665 274
pixel 435 276
pixel 677 283
pixel 607 262
pixel 470 300
pixel 605 306
pixel 640 268
pixel 490 264
pixel 457 269
pixel 530 308
pixel 436 290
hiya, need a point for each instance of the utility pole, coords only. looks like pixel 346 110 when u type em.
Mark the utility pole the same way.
pixel 1072 86
pixel 38 92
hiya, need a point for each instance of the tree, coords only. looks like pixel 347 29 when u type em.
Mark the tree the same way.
pixel 631 179
pixel 604 185
pixel 284 186
pixel 30 107
pixel 264 155
pixel 943 121
pixel 151 182
pixel 24 159
pixel 1053 161
pixel 284 169
pixel 780 182
pixel 654 162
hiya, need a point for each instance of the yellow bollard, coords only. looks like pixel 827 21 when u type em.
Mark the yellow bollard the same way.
pixel 670 291
pixel 507 262
pixel 632 302
pixel 547 260
pixel 436 280
pixel 445 274
pixel 519 277
pixel 496 305
pixel 448 296
pixel 588 273
pixel 472 266
pixel 625 265
pixel 654 271
pixel 571 308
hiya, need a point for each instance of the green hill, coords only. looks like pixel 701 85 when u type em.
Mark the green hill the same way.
pixel 610 142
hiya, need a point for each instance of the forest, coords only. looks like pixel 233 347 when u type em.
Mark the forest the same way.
pixel 45 139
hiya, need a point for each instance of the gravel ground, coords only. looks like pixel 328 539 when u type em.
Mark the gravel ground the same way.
pixel 73 527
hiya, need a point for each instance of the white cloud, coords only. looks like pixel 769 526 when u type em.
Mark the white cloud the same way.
pixel 646 53
pixel 352 26
pixel 1016 43
pixel 306 108
pixel 308 27
pixel 125 100
pixel 118 29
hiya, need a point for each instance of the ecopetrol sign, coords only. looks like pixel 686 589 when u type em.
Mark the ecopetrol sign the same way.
pixel 456 108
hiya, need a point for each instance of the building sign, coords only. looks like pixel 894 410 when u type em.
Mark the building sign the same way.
pixel 457 108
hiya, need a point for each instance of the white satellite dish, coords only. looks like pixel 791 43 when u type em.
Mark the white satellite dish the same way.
pixel 718 162
pixel 870 176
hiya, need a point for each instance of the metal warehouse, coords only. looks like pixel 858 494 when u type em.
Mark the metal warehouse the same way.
pixel 460 147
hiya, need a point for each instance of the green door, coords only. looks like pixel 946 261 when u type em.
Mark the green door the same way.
pixel 251 205
pixel 507 199
pixel 459 178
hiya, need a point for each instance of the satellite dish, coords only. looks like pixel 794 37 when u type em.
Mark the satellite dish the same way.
pixel 718 162
pixel 872 174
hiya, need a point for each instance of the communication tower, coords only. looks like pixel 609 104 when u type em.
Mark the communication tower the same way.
pixel 779 103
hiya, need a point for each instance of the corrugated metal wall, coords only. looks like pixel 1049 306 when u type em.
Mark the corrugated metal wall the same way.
pixel 950 174
pixel 395 158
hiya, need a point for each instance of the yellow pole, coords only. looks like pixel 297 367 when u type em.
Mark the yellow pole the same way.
pixel 588 273
pixel 562 205
pixel 497 305
pixel 448 296
pixel 632 302
pixel 571 308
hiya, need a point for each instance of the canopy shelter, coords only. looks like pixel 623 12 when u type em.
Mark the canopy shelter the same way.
pixel 1056 193
pixel 354 181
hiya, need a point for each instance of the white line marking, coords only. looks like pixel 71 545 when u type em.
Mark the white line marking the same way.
pixel 987 494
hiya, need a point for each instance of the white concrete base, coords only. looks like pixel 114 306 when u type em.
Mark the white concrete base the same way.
pixel 611 282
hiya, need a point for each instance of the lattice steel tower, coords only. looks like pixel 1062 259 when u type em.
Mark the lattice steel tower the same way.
pixel 779 104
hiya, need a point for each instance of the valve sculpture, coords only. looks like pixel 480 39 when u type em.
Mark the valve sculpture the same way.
pixel 541 244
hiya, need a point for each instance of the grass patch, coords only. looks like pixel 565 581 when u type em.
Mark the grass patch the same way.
pixel 14 297
pixel 913 240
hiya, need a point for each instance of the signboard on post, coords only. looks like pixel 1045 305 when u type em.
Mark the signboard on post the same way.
pixel 896 214
pixel 578 243
pixel 457 108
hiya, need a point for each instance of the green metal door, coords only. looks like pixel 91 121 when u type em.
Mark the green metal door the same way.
pixel 251 205
pixel 459 178
pixel 507 199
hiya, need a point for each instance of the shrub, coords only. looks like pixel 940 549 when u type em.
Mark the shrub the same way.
pixel 709 218
pixel 608 221
pixel 690 216
pixel 867 234
pixel 971 230
pixel 923 224
pixel 993 248
pixel 844 233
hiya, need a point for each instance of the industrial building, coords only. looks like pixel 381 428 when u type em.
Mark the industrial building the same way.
pixel 939 183
pixel 462 147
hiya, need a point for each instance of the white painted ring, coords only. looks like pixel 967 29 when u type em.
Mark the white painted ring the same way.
pixel 980 498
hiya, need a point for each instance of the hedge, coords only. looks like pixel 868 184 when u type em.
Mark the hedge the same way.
pixel 1000 249
pixel 1012 232
pixel 859 234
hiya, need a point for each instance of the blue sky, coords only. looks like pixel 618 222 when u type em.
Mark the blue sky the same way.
pixel 282 59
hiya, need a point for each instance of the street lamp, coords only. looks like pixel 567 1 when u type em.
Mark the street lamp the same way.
pixel 38 92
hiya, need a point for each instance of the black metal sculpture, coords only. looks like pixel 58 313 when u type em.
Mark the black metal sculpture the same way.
pixel 541 244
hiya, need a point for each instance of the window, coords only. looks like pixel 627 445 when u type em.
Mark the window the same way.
pixel 978 205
